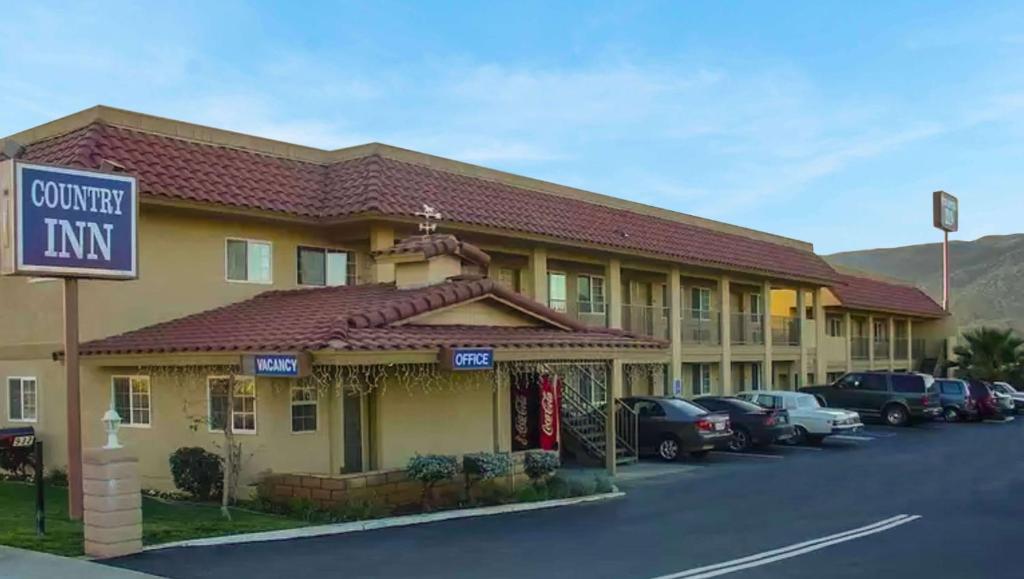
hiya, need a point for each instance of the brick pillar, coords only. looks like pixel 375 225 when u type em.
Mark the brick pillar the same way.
pixel 113 503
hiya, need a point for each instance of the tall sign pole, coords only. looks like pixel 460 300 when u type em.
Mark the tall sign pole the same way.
pixel 73 224
pixel 945 216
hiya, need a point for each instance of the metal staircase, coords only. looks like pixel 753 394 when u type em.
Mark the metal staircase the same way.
pixel 585 423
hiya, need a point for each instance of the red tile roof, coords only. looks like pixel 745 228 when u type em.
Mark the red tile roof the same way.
pixel 357 318
pixel 376 185
pixel 438 244
pixel 858 292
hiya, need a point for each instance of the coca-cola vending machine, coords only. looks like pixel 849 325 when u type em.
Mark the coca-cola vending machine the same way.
pixel 535 412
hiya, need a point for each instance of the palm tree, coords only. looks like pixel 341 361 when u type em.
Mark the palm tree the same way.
pixel 991 354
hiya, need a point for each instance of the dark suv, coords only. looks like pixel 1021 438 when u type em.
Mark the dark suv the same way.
pixel 895 397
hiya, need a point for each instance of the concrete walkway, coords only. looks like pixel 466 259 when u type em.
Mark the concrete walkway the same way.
pixel 21 564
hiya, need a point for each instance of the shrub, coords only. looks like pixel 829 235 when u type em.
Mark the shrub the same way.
pixel 487 465
pixel 540 464
pixel 57 477
pixel 305 509
pixel 602 484
pixel 198 472
pixel 359 511
pixel 16 460
pixel 430 469
pixel 531 494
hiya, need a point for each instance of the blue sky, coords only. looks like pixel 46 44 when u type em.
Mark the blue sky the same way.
pixel 830 122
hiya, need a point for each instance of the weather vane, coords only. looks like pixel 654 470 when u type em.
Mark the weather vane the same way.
pixel 428 214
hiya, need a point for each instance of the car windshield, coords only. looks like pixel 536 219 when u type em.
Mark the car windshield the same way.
pixel 807 401
pixel 685 407
pixel 743 405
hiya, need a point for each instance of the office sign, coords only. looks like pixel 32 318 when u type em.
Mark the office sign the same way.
pixel 945 211
pixel 277 365
pixel 62 222
pixel 461 359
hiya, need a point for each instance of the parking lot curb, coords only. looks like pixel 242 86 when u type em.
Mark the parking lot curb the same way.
pixel 385 523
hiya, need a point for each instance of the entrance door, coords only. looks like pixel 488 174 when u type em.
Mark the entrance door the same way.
pixel 352 418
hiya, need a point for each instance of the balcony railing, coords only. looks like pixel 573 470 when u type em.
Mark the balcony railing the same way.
pixel 859 347
pixel 746 328
pixel 646 320
pixel 590 313
pixel 785 331
pixel 881 349
pixel 902 348
pixel 701 327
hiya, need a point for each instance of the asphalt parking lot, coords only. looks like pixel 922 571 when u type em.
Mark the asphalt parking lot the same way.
pixel 934 500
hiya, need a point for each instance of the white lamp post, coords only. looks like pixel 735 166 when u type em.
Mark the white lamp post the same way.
pixel 112 423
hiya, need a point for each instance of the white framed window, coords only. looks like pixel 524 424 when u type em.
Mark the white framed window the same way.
pixel 755 376
pixel 319 266
pixel 242 413
pixel 881 331
pixel 304 408
pixel 700 303
pixel 249 261
pixel 701 379
pixel 834 327
pixel 590 294
pixel 755 304
pixel 131 398
pixel 22 399
pixel 558 292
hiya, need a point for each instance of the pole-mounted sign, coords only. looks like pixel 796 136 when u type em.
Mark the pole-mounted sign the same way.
pixel 945 216
pixel 61 222
pixel 69 223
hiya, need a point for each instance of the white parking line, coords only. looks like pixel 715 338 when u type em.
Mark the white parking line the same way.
pixel 746 454
pixel 850 437
pixel 791 550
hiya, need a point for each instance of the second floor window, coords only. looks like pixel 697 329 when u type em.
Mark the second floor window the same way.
pixel 835 327
pixel 557 292
pixel 325 267
pixel 700 303
pixel 509 278
pixel 249 261
pixel 590 290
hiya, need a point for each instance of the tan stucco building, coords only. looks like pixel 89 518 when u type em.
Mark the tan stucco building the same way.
pixel 617 296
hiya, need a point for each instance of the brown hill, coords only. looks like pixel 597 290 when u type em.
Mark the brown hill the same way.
pixel 987 275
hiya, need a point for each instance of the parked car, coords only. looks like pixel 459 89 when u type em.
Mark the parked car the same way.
pixel 898 398
pixel 1016 396
pixel 670 427
pixel 957 402
pixel 1005 401
pixel 752 425
pixel 811 421
pixel 988 405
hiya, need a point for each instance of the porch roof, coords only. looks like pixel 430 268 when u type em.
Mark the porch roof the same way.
pixel 362 318
pixel 861 292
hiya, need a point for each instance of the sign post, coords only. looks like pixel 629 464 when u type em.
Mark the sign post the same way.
pixel 945 216
pixel 68 223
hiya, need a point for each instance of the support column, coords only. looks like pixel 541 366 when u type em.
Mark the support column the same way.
pixel 539 274
pixel 382 236
pixel 503 414
pixel 801 308
pixel 113 503
pixel 614 393
pixel 768 373
pixel 848 334
pixel 675 324
pixel 910 345
pixel 892 344
pixel 725 334
pixel 614 290
pixel 820 325
pixel 871 342
pixel 73 377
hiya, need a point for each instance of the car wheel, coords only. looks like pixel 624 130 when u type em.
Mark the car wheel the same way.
pixel 950 414
pixel 896 415
pixel 668 449
pixel 740 440
pixel 799 435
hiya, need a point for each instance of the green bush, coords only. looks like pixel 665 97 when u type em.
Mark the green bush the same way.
pixel 540 464
pixel 603 485
pixel 487 465
pixel 198 472
pixel 57 477
pixel 359 511
pixel 532 494
pixel 430 469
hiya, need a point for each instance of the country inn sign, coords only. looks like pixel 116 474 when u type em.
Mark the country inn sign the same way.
pixel 60 221
pixel 296 268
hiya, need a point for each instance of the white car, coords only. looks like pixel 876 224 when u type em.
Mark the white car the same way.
pixel 811 421
pixel 1016 401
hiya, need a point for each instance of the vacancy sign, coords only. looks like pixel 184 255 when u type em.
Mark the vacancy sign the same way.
pixel 62 222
